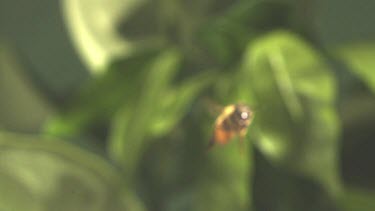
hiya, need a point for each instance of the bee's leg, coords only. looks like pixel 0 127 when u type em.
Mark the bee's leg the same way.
pixel 242 137
pixel 211 143
pixel 241 145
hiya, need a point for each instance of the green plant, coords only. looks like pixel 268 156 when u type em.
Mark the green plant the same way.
pixel 135 132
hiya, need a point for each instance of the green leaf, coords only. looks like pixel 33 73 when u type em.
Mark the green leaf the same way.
pixel 102 96
pixel 226 185
pixel 296 124
pixel 218 179
pixel 357 199
pixel 287 190
pixel 22 107
pixel 39 174
pixel 131 123
pixel 360 58
pixel 93 27
pixel 158 108
pixel 175 103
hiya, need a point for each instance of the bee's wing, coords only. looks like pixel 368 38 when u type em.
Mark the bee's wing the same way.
pixel 213 108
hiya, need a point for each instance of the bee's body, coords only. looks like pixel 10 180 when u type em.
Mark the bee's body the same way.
pixel 233 121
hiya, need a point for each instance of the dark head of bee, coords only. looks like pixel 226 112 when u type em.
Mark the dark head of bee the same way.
pixel 243 115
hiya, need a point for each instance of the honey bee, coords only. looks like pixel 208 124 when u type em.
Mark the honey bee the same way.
pixel 233 121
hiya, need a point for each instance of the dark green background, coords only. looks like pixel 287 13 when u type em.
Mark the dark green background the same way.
pixel 133 137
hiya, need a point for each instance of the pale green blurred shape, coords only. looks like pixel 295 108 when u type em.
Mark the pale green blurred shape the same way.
pixel 298 126
pixel 158 107
pixel 175 103
pixel 22 107
pixel 130 126
pixel 40 174
pixel 93 27
pixel 361 59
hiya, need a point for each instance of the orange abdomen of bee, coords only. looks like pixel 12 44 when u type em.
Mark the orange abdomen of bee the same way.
pixel 222 136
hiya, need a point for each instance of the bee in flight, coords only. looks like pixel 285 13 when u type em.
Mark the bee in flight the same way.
pixel 233 121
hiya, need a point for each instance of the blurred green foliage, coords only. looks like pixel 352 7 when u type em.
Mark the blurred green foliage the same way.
pixel 130 132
